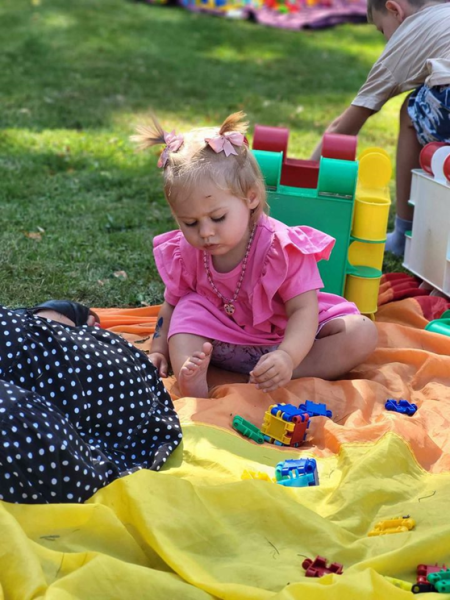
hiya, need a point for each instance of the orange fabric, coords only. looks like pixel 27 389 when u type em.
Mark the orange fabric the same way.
pixel 409 363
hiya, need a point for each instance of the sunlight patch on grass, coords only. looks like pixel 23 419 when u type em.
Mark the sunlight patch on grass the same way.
pixel 56 20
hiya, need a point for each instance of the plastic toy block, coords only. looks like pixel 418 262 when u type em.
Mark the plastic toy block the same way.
pixel 314 409
pixel 271 139
pixel 403 585
pixel 441 326
pixel 401 406
pixel 300 173
pixel 336 145
pixel 287 412
pixel 440 580
pixel 248 474
pixel 296 479
pixel 422 588
pixel 287 431
pixel 332 197
pixel 247 429
pixel 301 466
pixel 396 525
pixel 430 197
pixel 318 567
pixel 424 570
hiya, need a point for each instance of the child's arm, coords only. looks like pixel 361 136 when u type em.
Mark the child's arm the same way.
pixel 275 368
pixel 159 351
pixel 349 122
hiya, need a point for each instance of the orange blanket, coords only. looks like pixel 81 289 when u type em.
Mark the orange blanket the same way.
pixel 409 363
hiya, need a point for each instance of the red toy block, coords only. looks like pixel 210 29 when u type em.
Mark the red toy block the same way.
pixel 424 570
pixel 300 173
pixel 299 433
pixel 318 567
pixel 271 139
pixel 338 145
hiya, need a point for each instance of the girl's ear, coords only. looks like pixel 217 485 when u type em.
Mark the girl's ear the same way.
pixel 253 198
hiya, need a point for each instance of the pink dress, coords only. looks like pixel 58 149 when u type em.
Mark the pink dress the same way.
pixel 282 264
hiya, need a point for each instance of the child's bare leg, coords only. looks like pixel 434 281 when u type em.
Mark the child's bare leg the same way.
pixel 408 151
pixel 343 344
pixel 190 356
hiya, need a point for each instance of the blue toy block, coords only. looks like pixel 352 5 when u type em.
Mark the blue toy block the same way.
pixel 314 409
pixel 288 412
pixel 297 479
pixel 402 406
pixel 301 466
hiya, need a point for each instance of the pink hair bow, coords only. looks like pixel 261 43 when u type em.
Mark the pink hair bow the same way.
pixel 226 142
pixel 173 144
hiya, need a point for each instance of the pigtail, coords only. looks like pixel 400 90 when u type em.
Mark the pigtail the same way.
pixel 152 135
pixel 234 122
pixel 149 135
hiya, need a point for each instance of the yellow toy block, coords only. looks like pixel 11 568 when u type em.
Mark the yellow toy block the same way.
pixel 403 585
pixel 277 429
pixel 396 525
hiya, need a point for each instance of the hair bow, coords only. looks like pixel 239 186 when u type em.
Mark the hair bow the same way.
pixel 226 142
pixel 173 144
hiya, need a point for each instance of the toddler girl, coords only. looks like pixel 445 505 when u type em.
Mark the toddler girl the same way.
pixel 241 287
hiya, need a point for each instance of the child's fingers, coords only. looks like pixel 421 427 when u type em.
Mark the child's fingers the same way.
pixel 262 367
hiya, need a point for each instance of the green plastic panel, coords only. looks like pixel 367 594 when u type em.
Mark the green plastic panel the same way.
pixel 337 178
pixel 330 215
pixel 330 211
pixel 270 164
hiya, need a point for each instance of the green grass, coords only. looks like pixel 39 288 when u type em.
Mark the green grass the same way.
pixel 75 79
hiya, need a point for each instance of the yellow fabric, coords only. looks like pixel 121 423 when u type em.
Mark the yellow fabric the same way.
pixel 197 531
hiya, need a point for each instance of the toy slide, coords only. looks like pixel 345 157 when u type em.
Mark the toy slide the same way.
pixel 197 531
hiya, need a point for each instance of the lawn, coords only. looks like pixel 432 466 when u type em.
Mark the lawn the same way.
pixel 79 207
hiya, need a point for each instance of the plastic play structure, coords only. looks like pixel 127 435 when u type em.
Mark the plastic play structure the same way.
pixel 427 250
pixel 346 199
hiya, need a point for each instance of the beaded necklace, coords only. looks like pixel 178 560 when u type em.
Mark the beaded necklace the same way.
pixel 228 304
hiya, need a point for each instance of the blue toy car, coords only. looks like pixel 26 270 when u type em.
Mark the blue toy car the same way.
pixel 401 406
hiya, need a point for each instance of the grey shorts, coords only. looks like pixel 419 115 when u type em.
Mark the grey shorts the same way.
pixel 239 359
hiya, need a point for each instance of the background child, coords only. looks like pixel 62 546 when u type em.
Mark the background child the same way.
pixel 241 288
pixel 417 55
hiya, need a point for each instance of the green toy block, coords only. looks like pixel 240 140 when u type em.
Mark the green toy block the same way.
pixel 248 429
pixel 440 580
pixel 328 208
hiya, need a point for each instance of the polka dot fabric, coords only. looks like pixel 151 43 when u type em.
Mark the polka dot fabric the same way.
pixel 79 407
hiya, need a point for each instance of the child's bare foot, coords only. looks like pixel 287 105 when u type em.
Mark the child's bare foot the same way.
pixel 192 377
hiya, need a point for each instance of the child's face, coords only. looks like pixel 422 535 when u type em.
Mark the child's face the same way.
pixel 386 22
pixel 214 220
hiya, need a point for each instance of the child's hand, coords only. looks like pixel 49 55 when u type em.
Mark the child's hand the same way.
pixel 272 371
pixel 160 362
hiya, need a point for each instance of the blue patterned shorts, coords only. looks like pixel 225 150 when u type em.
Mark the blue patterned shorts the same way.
pixel 429 110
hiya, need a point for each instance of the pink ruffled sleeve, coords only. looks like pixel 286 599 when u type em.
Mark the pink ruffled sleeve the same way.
pixel 175 264
pixel 290 268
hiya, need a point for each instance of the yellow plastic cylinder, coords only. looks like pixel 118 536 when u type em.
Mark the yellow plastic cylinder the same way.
pixel 371 218
pixel 363 291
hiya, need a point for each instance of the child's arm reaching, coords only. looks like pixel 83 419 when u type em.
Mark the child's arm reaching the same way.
pixel 159 352
pixel 275 368
pixel 349 122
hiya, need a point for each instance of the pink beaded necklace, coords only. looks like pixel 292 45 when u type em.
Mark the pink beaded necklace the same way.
pixel 228 304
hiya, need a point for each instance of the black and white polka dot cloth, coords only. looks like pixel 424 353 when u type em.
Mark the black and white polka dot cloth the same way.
pixel 79 407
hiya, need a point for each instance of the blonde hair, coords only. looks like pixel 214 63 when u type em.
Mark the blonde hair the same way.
pixel 194 161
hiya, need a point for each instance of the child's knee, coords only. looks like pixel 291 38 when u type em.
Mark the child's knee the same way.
pixel 366 336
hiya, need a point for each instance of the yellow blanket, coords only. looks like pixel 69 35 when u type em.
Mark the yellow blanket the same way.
pixel 196 530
